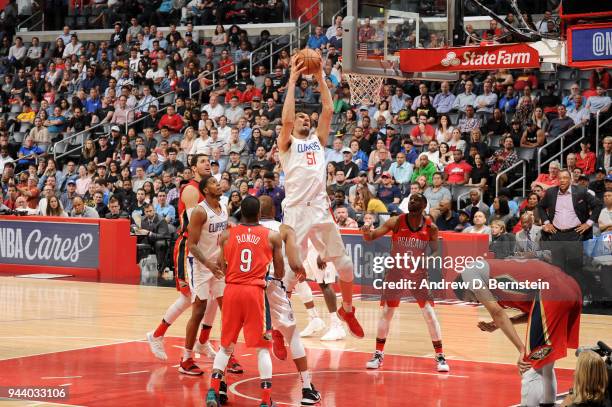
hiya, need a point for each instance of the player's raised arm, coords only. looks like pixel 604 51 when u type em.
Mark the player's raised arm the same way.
pixel 382 230
pixel 327 110
pixel 277 254
pixel 291 250
pixel 288 117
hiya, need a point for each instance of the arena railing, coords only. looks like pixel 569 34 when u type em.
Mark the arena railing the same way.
pixel 270 53
pixel 306 22
pixel 62 148
pixel 598 126
pixel 36 20
pixel 522 178
pixel 561 138
pixel 136 108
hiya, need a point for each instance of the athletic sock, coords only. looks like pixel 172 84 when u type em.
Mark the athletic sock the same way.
pixel 215 381
pixel 306 379
pixel 333 318
pixel 187 354
pixel 437 346
pixel 266 392
pixel 204 333
pixel 312 312
pixel 161 329
pixel 380 344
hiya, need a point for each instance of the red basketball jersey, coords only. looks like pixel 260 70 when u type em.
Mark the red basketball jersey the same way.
pixel 183 218
pixel 406 240
pixel 248 255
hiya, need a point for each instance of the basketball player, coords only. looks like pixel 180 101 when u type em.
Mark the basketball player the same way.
pixel 412 233
pixel 306 205
pixel 245 252
pixel 281 312
pixel 189 198
pixel 208 221
pixel 552 314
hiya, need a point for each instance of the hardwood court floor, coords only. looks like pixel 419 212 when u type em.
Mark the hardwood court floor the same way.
pixel 89 337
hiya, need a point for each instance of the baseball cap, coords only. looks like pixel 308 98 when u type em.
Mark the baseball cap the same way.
pixel 346 150
pixel 609 177
pixel 214 163
pixel 393 127
pixel 363 173
pixel 601 169
pixel 386 174
pixel 71 181
pixel 115 128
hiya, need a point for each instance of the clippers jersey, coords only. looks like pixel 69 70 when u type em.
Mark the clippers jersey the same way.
pixel 216 223
pixel 304 167
pixel 406 240
pixel 248 255
pixel 183 214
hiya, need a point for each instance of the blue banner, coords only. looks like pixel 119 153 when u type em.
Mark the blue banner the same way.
pixel 592 44
pixel 55 244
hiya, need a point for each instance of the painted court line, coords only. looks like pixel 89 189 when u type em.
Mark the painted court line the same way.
pixel 61 377
pixel 136 372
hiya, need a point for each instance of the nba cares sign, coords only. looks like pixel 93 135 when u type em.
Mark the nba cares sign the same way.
pixel 480 58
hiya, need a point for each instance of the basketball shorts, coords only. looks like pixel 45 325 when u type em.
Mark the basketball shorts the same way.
pixel 313 272
pixel 315 223
pixel 553 325
pixel 202 283
pixel 405 284
pixel 245 308
pixel 281 313
pixel 181 265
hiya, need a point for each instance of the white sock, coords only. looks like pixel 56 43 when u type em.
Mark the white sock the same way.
pixel 264 363
pixel 187 353
pixel 333 318
pixel 176 309
pixel 306 379
pixel 312 312
pixel 222 358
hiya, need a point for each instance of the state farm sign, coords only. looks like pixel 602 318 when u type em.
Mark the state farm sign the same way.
pixel 480 58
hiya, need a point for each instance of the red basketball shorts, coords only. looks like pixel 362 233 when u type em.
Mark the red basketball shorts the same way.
pixel 553 325
pixel 407 284
pixel 244 308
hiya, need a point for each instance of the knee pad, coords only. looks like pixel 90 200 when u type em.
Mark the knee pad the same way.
pixel 344 267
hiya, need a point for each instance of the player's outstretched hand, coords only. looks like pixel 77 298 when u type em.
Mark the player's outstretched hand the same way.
pixel 487 326
pixel 297 69
pixel 522 365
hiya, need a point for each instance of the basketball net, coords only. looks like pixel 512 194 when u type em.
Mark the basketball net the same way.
pixel 364 86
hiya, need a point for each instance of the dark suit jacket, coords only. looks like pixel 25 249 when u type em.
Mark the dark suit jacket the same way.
pixel 586 205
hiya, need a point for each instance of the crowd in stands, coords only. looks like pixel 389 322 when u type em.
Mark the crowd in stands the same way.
pixel 438 139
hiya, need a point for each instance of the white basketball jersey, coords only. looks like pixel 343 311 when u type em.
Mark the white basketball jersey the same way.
pixel 274 226
pixel 304 167
pixel 216 223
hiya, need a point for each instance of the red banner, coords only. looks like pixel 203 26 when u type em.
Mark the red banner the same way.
pixel 511 56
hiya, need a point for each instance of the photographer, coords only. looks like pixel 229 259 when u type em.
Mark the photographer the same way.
pixel 590 382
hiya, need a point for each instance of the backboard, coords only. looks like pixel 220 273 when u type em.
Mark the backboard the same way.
pixel 376 30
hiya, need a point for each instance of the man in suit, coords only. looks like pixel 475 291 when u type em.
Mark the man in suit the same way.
pixel 568 213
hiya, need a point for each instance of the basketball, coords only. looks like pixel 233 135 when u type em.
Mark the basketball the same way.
pixel 311 60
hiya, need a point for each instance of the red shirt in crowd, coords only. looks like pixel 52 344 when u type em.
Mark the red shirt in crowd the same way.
pixel 458 172
pixel 586 163
pixel 174 122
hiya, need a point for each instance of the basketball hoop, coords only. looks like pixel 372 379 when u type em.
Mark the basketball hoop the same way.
pixel 364 87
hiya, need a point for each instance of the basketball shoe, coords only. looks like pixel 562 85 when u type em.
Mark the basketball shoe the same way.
pixel 205 349
pixel 233 366
pixel 157 346
pixel 310 396
pixel 376 361
pixel 212 400
pixel 188 367
pixel 351 321
pixel 335 333
pixel 441 362
pixel 315 324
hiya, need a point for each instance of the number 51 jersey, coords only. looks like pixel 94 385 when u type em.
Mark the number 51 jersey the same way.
pixel 248 254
